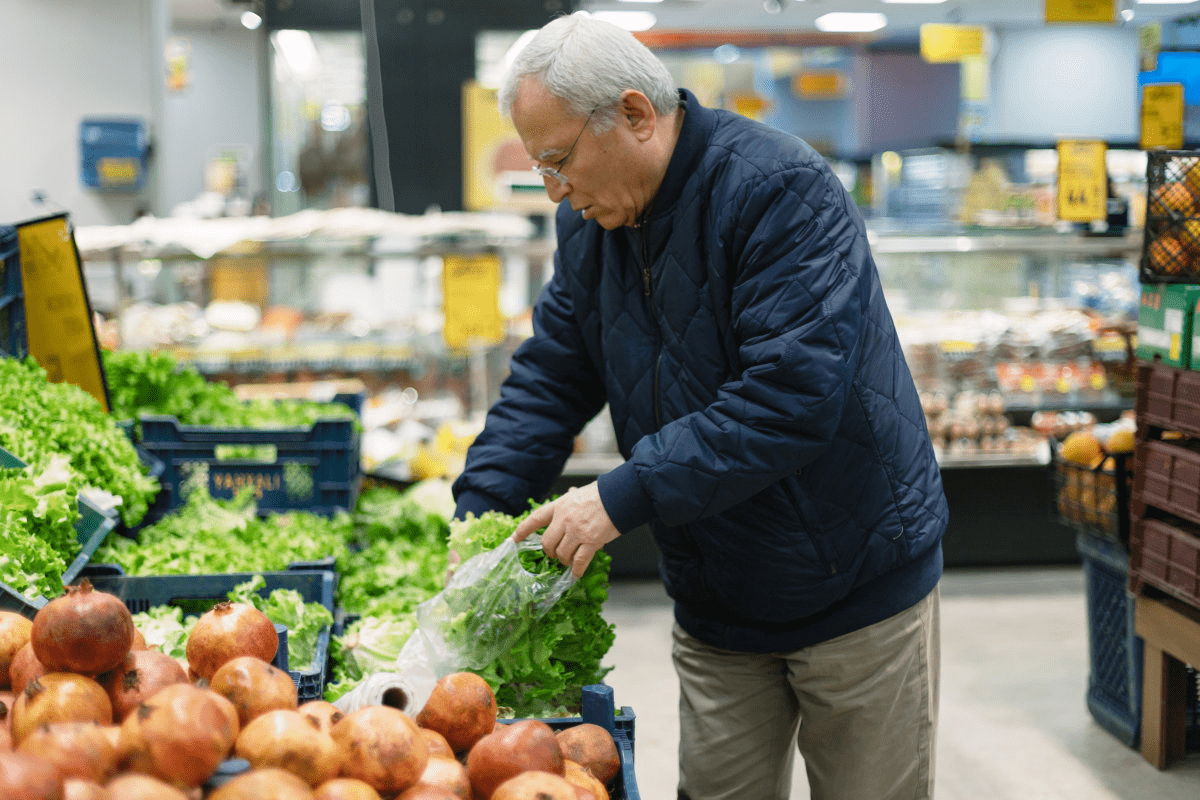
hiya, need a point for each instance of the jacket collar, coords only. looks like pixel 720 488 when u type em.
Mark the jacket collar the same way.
pixel 698 123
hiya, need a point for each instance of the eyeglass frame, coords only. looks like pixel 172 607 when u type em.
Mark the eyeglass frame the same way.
pixel 553 171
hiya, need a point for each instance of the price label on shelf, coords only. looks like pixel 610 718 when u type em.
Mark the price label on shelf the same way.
pixel 1082 180
pixel 471 299
pixel 1162 116
pixel 58 317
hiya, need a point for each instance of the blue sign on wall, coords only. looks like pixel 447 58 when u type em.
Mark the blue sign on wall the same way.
pixel 113 153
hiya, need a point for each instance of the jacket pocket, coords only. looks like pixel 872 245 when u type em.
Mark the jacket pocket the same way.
pixel 808 518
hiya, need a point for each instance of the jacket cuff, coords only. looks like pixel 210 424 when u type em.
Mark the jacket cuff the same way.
pixel 476 504
pixel 627 505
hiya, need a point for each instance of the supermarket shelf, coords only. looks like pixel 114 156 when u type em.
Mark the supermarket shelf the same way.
pixel 1048 242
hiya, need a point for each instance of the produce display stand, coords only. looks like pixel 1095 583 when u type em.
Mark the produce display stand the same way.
pixel 1171 632
pixel 598 708
pixel 90 529
pixel 197 593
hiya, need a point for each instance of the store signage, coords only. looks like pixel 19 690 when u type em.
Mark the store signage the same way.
pixel 58 316
pixel 945 43
pixel 1162 116
pixel 1081 11
pixel 1082 180
pixel 471 299
pixel 819 85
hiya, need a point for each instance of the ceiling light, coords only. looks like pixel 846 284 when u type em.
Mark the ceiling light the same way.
pixel 629 20
pixel 1127 14
pixel 772 6
pixel 850 22
pixel 250 20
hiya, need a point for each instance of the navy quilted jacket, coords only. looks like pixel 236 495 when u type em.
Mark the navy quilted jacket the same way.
pixel 772 433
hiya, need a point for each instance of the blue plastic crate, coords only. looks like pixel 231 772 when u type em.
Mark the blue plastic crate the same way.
pixel 14 343
pixel 598 708
pixel 90 529
pixel 316 469
pixel 141 592
pixel 1114 693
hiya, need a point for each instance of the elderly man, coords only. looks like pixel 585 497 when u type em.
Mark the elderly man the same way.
pixel 714 286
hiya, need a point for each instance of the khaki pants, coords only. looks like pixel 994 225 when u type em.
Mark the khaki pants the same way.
pixel 861 709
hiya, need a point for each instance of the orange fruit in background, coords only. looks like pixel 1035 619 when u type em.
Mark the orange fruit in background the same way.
pixel 1166 255
pixel 1172 197
pixel 1082 447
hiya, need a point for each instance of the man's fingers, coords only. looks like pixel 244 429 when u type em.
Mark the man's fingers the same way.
pixel 583 557
pixel 536 519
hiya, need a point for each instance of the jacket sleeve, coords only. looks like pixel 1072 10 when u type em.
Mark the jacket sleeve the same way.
pixel 802 278
pixel 552 390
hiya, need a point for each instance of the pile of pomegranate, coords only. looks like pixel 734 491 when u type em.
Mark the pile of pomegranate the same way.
pixel 87 712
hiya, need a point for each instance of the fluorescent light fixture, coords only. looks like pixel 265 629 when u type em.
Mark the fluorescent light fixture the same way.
pixel 850 22
pixel 629 20
pixel 250 20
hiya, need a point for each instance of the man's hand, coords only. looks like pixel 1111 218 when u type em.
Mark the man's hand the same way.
pixel 577 526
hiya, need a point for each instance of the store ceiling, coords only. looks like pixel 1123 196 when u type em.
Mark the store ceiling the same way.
pixel 793 15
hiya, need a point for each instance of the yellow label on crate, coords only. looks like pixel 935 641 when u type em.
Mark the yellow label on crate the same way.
pixel 1082 180
pixel 1162 116
pixel 58 318
pixel 1176 346
pixel 471 299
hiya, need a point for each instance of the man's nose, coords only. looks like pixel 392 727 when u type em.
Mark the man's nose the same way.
pixel 555 188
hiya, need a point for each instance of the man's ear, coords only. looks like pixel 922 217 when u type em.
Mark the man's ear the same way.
pixel 637 112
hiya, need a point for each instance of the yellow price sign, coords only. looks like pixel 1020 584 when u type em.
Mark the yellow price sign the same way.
pixel 1082 180
pixel 471 299
pixel 58 317
pixel 1081 11
pixel 114 171
pixel 946 43
pixel 818 85
pixel 1162 116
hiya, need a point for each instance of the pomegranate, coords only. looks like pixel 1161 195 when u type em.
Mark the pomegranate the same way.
pixel 462 708
pixel 254 687
pixel 535 785
pixel 26 777
pixel 14 634
pixel 591 746
pixel 583 778
pixel 426 791
pixel 77 789
pixel 345 789
pixel 269 782
pixel 179 735
pixel 448 774
pixel 288 740
pixel 134 786
pixel 142 674
pixel 382 746
pixel 226 631
pixel 24 668
pixel 82 631
pixel 321 713
pixel 438 746
pixel 79 750
pixel 528 744
pixel 59 697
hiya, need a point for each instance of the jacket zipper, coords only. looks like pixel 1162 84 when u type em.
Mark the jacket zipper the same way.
pixel 648 293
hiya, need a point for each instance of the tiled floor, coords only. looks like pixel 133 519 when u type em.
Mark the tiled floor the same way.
pixel 1014 722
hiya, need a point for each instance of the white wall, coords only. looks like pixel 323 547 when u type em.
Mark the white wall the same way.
pixel 1058 82
pixel 62 60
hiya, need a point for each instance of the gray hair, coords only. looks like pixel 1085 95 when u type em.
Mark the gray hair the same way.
pixel 588 63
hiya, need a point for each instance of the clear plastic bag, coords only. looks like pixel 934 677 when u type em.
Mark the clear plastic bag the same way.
pixel 486 605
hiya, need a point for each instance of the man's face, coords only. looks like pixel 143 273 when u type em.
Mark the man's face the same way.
pixel 600 169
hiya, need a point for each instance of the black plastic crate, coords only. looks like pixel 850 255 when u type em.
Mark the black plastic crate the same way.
pixel 1171 244
pixel 1095 499
pixel 315 469
pixel 1114 693
pixel 90 529
pixel 196 592
pixel 14 343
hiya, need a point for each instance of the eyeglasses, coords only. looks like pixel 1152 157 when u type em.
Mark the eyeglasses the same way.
pixel 553 171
